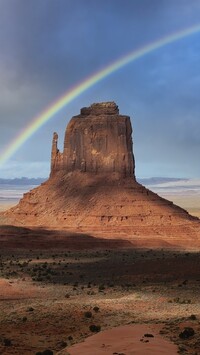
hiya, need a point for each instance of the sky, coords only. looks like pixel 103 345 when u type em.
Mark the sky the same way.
pixel 49 46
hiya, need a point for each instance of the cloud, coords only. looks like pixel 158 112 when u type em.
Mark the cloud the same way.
pixel 48 46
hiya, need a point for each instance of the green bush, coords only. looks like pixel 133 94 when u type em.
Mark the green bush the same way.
pixel 88 314
pixel 95 328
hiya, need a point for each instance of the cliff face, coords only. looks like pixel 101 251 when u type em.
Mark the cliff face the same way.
pixel 92 188
pixel 97 141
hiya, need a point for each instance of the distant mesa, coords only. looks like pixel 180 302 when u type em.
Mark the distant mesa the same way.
pixel 92 188
pixel 23 181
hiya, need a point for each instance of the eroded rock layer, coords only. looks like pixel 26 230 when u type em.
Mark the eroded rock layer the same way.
pixel 92 187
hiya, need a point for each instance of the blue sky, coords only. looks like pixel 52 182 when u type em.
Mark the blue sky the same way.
pixel 50 45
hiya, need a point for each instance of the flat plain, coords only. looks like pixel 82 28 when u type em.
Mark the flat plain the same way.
pixel 54 289
pixel 58 288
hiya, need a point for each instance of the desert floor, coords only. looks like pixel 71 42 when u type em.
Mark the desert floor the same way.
pixel 51 293
pixel 6 205
pixel 188 201
pixel 54 286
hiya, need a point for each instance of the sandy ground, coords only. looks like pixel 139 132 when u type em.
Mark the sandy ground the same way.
pixel 50 298
pixel 129 340
pixel 189 201
pixel 53 288
pixel 6 205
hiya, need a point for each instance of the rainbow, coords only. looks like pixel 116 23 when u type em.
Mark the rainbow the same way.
pixel 77 90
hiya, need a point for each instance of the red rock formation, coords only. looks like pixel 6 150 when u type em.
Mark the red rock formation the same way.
pixel 92 187
pixel 96 141
pixel 56 155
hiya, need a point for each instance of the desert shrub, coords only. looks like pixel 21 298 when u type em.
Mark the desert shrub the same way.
pixel 148 335
pixel 95 328
pixel 178 300
pixel 47 352
pixel 193 317
pixel 62 344
pixel 187 333
pixel 7 342
pixel 96 309
pixel 88 314
pixel 111 285
pixel 39 279
pixel 30 309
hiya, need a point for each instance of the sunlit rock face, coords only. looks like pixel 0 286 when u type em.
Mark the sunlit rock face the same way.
pixel 97 141
pixel 92 188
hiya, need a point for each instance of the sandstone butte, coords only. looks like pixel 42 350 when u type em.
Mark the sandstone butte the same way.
pixel 92 188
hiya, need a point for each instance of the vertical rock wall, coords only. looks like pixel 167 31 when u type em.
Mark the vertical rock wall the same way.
pixel 98 141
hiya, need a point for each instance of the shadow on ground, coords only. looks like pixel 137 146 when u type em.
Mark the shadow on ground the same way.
pixel 40 238
pixel 81 260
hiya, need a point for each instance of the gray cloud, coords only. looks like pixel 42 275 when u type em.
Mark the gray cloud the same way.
pixel 48 46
